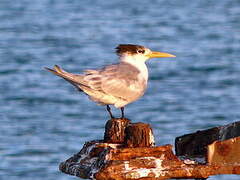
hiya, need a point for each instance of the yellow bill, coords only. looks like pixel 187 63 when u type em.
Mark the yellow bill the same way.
pixel 156 54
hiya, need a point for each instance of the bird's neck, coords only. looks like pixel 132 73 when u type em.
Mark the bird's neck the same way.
pixel 138 63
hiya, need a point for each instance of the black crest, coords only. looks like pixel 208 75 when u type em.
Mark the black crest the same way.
pixel 128 48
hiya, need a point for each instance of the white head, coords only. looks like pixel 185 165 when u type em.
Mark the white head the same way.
pixel 131 52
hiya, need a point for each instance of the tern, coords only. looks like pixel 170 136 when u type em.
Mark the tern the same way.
pixel 116 84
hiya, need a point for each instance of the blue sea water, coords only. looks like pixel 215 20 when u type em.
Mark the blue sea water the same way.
pixel 44 120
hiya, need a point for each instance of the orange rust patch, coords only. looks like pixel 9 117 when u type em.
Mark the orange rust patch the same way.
pixel 236 170
pixel 223 149
pixel 151 174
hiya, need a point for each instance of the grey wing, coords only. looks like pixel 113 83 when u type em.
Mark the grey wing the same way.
pixel 122 81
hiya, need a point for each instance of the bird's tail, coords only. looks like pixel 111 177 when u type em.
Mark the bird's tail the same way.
pixel 56 70
pixel 74 79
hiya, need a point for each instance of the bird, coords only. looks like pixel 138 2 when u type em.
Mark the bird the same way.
pixel 116 84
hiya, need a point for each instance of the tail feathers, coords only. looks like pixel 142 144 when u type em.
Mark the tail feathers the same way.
pixel 52 70
pixel 59 72
pixel 76 80
pixel 56 70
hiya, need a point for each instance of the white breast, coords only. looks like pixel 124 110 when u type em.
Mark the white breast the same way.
pixel 139 64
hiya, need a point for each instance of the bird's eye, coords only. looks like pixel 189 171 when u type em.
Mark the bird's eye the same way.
pixel 141 51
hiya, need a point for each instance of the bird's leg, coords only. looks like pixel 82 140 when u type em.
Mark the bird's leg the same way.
pixel 109 111
pixel 122 111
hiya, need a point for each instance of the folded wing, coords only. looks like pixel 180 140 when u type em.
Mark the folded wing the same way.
pixel 120 80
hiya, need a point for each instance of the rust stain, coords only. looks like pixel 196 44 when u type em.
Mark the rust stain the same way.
pixel 151 174
pixel 223 149
pixel 236 170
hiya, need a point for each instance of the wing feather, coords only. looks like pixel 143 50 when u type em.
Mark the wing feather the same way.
pixel 120 80
pixel 124 81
